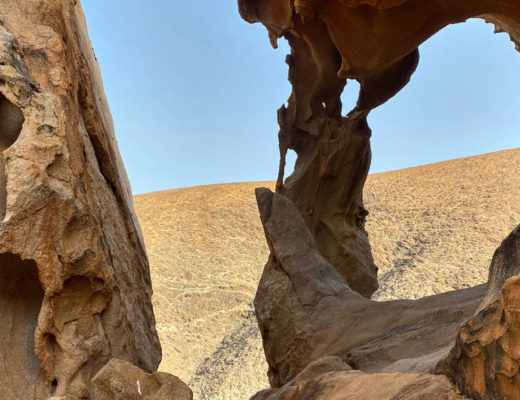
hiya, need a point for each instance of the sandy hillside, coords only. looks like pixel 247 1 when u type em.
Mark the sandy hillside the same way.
pixel 433 228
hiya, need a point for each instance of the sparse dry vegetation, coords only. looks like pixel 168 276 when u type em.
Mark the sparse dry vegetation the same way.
pixel 433 228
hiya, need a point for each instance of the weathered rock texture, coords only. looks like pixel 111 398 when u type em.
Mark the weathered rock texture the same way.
pixel 307 311
pixel 330 378
pixel 120 380
pixel 74 279
pixel 304 310
pixel 485 361
pixel 375 42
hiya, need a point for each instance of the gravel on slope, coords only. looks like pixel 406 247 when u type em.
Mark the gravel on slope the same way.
pixel 433 228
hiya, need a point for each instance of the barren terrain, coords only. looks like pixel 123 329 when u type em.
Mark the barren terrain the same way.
pixel 433 229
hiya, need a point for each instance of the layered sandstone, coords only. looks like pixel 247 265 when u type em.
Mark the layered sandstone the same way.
pixel 75 286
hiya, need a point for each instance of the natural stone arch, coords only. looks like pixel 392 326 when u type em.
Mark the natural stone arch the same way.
pixel 375 42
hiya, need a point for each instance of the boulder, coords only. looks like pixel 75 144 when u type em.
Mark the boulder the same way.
pixel 120 380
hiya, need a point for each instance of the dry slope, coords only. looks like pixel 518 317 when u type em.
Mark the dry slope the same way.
pixel 433 228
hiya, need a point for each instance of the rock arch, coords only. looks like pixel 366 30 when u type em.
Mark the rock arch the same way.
pixel 375 42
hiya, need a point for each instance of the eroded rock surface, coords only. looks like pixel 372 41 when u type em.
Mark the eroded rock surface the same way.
pixel 74 278
pixel 330 378
pixel 306 310
pixel 376 43
pixel 120 380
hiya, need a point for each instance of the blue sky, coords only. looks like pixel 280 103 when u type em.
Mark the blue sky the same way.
pixel 194 91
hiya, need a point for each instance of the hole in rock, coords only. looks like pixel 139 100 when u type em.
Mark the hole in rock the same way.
pixel 11 121
pixel 54 386
pixel 290 161
pixel 434 228
pixel 21 297
pixel 350 95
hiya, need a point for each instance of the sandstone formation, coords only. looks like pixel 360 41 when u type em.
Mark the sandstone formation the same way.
pixel 120 380
pixel 330 378
pixel 75 286
pixel 374 42
pixel 430 230
pixel 309 303
pixel 306 310
pixel 485 361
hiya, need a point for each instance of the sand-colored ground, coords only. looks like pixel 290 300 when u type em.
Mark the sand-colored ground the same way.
pixel 433 228
pixel 206 250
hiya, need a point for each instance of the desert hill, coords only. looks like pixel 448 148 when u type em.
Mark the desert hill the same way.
pixel 432 228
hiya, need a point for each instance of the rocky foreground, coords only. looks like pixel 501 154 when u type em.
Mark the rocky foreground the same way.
pixel 433 229
pixel 75 284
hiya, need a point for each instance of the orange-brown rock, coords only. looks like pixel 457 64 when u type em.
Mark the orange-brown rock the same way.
pixel 330 378
pixel 74 278
pixel 120 380
pixel 485 361
pixel 304 310
pixel 307 311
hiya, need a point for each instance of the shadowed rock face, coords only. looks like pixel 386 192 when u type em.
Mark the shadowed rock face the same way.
pixel 21 297
pixel 74 278
pixel 304 309
pixel 11 122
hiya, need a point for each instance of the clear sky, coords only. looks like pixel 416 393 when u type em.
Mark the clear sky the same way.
pixel 194 91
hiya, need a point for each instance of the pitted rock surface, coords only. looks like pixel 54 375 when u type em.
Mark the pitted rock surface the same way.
pixel 75 288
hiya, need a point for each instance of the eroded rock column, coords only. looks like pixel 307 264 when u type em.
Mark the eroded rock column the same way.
pixel 75 287
pixel 306 310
